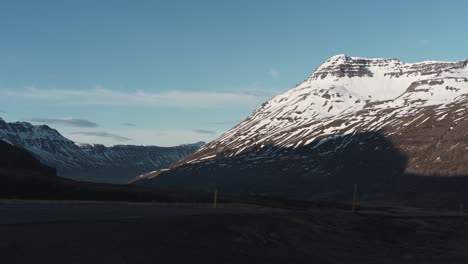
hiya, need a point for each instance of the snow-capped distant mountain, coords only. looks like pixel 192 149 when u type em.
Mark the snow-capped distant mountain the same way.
pixel 115 164
pixel 407 118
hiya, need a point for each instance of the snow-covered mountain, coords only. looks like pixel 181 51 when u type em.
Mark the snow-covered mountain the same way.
pixel 371 117
pixel 115 164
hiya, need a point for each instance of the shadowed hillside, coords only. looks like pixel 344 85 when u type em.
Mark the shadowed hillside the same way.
pixel 14 159
pixel 369 160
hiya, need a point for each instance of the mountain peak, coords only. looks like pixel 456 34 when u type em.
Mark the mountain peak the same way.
pixel 339 57
pixel 346 59
pixel 343 65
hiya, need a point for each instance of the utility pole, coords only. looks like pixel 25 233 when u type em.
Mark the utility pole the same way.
pixel 354 198
pixel 215 199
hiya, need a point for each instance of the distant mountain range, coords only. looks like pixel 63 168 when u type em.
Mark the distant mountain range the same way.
pixel 23 176
pixel 98 163
pixel 354 120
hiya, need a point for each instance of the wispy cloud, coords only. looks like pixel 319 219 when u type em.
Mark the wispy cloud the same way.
pixel 128 124
pixel 424 42
pixel 204 131
pixel 273 73
pixel 102 134
pixel 2 112
pixel 141 136
pixel 68 121
pixel 103 96
pixel 223 123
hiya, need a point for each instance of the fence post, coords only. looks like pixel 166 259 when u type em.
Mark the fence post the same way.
pixel 354 198
pixel 215 199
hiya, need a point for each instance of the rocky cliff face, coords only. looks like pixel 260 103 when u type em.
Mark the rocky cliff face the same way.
pixel 116 164
pixel 353 117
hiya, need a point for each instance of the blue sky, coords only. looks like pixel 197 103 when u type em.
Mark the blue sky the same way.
pixel 172 72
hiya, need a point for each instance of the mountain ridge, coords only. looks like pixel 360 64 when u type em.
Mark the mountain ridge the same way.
pixel 92 162
pixel 419 107
pixel 326 96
